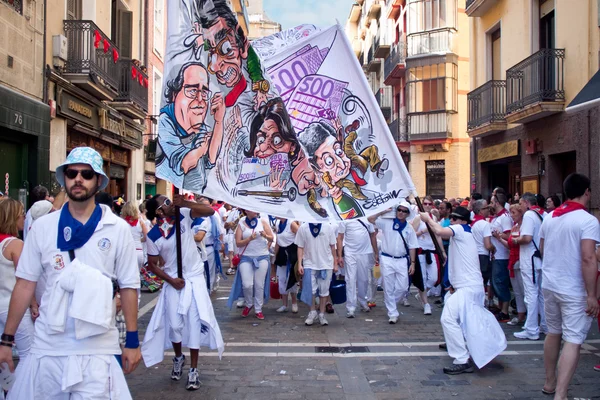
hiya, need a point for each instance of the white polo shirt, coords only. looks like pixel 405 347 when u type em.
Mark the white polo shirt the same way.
pixel 357 236
pixel 501 224
pixel 530 226
pixel 392 243
pixel 463 259
pixel 480 230
pixel 206 226
pixel 166 248
pixel 110 250
pixel 317 250
pixel 562 250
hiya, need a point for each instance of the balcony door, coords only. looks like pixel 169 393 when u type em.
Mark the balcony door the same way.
pixel 74 10
pixel 547 41
pixel 122 28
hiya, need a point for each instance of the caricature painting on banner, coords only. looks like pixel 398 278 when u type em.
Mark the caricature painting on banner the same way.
pixel 277 127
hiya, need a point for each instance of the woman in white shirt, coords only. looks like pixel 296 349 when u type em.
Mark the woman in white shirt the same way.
pixel 286 256
pixel 252 238
pixel 139 230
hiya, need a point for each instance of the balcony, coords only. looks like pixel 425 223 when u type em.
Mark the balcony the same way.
pixel 430 42
pixel 382 45
pixel 373 63
pixel 535 87
pixel 487 109
pixel 355 12
pixel 373 8
pixel 132 99
pixel 395 64
pixel 435 125
pixel 384 99
pixel 478 8
pixel 398 130
pixel 16 5
pixel 91 59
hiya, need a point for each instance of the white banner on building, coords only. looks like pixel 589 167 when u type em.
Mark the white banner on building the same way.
pixel 309 144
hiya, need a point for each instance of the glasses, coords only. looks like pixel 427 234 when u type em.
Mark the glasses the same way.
pixel 165 203
pixel 427 204
pixel 191 92
pixel 225 48
pixel 86 174
pixel 453 218
pixel 402 210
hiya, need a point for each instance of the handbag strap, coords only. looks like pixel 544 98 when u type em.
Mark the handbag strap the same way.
pixel 245 247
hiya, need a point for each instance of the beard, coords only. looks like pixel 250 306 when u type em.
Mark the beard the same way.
pixel 83 196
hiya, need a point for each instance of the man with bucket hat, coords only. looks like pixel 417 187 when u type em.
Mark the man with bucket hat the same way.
pixel 79 252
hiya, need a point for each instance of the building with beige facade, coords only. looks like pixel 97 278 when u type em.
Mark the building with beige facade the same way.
pixel 530 59
pixel 260 25
pixel 416 57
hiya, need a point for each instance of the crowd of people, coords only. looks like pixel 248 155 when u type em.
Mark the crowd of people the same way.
pixel 532 263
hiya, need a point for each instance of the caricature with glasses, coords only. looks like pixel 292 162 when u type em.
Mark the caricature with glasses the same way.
pixel 188 148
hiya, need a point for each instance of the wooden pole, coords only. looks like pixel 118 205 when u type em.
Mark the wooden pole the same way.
pixel 438 249
pixel 178 239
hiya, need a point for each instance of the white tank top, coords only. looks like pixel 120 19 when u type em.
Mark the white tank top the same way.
pixel 425 241
pixel 7 276
pixel 285 238
pixel 258 246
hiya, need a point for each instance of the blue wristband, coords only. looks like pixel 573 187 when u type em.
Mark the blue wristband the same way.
pixel 132 341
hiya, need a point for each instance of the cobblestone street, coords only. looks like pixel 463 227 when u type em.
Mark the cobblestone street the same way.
pixel 360 359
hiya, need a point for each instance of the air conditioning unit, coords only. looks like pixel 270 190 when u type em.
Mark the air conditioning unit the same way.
pixel 60 47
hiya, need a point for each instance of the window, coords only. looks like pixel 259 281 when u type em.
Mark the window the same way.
pixel 74 9
pixel 435 185
pixel 425 15
pixel 432 88
pixel 496 63
pixel 122 28
pixel 157 91
pixel 159 19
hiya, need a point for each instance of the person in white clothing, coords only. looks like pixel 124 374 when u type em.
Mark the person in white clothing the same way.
pixel 501 227
pixel 567 242
pixel 358 240
pixel 286 257
pixel 37 193
pixel 139 230
pixel 398 251
pixel 210 233
pixel 230 227
pixel 531 264
pixel 482 233
pixel 464 317
pixel 83 238
pixel 316 263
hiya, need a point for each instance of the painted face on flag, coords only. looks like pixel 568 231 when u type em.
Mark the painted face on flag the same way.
pixel 224 54
pixel 330 157
pixel 304 175
pixel 192 100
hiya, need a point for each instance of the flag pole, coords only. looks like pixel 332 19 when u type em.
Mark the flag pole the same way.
pixel 438 249
pixel 178 238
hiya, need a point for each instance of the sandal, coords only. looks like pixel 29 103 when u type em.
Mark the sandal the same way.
pixel 548 392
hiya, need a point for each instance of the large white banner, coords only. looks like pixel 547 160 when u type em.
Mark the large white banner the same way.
pixel 308 143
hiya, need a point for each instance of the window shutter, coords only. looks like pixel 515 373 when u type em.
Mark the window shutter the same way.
pixel 74 9
pixel 125 31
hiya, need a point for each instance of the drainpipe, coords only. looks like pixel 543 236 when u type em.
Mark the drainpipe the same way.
pixel 142 56
pixel 44 66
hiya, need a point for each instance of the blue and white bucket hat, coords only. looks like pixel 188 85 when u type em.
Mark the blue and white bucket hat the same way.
pixel 83 155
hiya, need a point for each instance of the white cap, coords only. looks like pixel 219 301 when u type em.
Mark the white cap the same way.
pixel 40 208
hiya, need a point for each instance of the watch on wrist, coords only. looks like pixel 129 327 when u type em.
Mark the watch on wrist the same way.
pixel 262 86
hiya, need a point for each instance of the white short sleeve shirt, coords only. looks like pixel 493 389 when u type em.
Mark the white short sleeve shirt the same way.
pixel 530 226
pixel 480 230
pixel 501 224
pixel 317 250
pixel 357 236
pixel 391 242
pixel 463 259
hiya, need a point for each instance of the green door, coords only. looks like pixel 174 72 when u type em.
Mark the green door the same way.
pixel 13 160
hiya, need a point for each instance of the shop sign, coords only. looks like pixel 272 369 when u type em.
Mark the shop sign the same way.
pixel 503 150
pixel 116 172
pixel 117 126
pixel 74 108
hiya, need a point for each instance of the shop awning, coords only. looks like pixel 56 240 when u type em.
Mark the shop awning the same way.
pixel 588 97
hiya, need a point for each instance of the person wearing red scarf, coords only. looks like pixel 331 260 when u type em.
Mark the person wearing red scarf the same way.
pixel 139 230
pixel 570 269
pixel 482 233
pixel 501 226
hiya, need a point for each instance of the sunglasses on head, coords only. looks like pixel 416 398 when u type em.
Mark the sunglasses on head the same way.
pixel 402 210
pixel 165 203
pixel 86 174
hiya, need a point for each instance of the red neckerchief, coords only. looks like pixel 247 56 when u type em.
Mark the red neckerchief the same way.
pixel 216 207
pixel 477 218
pixel 537 209
pixel 131 221
pixel 236 92
pixel 500 214
pixel 567 207
pixel 5 236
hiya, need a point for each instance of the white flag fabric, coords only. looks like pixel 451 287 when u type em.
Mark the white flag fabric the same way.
pixel 303 139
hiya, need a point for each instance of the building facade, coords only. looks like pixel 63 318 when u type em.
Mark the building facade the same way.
pixel 260 25
pixel 416 56
pixel 529 60
pixel 24 114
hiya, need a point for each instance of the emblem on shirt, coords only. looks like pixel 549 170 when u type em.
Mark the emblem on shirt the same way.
pixel 104 244
pixel 59 262
pixel 67 233
pixel 316 230
pixel 396 226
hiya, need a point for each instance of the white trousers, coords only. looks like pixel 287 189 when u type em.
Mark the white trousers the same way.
pixel 358 269
pixel 518 290
pixel 253 283
pixel 429 271
pixel 178 322
pixel 534 298
pixel 395 282
pixel 282 279
pixel 24 334
pixel 212 267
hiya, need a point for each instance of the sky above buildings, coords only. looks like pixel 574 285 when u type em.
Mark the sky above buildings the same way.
pixel 323 13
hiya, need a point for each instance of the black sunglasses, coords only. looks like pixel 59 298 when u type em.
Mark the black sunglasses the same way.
pixel 403 210
pixel 453 218
pixel 87 174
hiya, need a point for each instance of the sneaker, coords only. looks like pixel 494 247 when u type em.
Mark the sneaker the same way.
pixel 177 368
pixel 597 368
pixel 193 382
pixel 310 319
pixel 322 320
pixel 393 320
pixel 501 317
pixel 443 346
pixel 405 303
pixel 240 303
pixel 514 321
pixel 525 335
pixel 371 304
pixel 350 314
pixel 246 311
pixel 329 308
pixel 295 308
pixel 260 315
pixel 427 309
pixel 282 309
pixel 379 288
pixel 365 308
pixel 456 369
pixel 230 271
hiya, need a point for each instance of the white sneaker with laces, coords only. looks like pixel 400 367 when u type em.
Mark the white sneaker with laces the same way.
pixel 349 314
pixel 525 335
pixel 514 321
pixel 294 308
pixel 427 309
pixel 177 370
pixel 310 319
pixel 405 303
pixel 240 303
pixel 282 309
pixel 193 382
pixel 323 320
pixel 365 308
pixel 393 320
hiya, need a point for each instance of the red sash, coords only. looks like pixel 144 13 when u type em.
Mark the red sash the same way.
pixel 131 221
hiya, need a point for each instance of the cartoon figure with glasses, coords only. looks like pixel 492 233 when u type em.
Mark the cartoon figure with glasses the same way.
pixel 187 146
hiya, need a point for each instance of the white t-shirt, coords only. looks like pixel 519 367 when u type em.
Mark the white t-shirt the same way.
pixel 425 241
pixel 501 224
pixel 463 259
pixel 286 237
pixel 562 250
pixel 200 245
pixel 233 215
pixel 166 248
pixel 317 250
pixel 392 243
pixel 480 230
pixel 206 226
pixel 28 223
pixel 530 226
pixel 357 238
pixel 259 245
pixel 109 250
pixel 137 234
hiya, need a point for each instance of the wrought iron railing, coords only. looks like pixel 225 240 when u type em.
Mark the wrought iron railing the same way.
pixel 384 100
pixel 436 41
pixel 87 55
pixel 486 104
pixel 370 54
pixel 398 129
pixel 431 125
pixel 538 78
pixel 397 56
pixel 17 5
pixel 133 84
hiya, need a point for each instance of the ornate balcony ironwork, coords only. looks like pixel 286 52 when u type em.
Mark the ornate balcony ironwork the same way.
pixel 487 104
pixel 133 84
pixel 384 99
pixel 17 5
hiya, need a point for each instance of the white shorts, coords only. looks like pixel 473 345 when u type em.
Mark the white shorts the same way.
pixel 178 322
pixel 566 315
pixel 321 284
